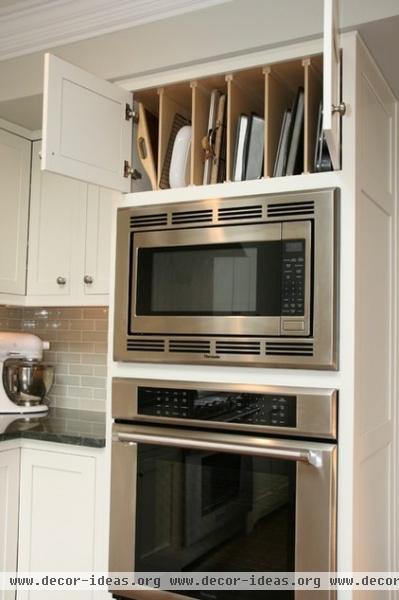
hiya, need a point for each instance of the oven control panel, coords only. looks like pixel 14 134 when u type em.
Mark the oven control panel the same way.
pixel 272 410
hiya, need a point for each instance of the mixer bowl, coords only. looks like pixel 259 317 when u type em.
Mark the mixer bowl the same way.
pixel 27 382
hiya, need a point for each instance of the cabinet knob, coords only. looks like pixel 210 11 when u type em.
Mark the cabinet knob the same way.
pixel 88 279
pixel 339 108
pixel 61 280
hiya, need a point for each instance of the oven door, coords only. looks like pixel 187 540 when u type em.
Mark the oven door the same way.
pixel 232 280
pixel 210 501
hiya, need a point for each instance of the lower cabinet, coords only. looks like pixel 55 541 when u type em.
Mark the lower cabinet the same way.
pixel 53 514
pixel 9 510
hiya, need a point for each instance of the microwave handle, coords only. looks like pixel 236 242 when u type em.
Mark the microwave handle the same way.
pixel 312 457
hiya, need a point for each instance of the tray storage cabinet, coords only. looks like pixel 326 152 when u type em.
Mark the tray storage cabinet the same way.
pixel 87 122
pixel 69 239
pixel 9 510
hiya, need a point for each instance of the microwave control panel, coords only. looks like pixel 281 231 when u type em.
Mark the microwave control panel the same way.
pixel 293 278
pixel 272 410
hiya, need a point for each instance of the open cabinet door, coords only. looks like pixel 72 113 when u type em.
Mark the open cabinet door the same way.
pixel 332 108
pixel 87 126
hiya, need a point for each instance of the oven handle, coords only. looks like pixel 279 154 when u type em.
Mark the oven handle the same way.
pixel 312 457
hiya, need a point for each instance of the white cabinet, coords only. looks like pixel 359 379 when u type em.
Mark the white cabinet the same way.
pixel 100 202
pixel 62 514
pixel 9 510
pixel 15 153
pixel 87 122
pixel 87 129
pixel 69 239
pixel 56 231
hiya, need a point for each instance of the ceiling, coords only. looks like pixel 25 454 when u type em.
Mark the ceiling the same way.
pixel 382 39
pixel 27 26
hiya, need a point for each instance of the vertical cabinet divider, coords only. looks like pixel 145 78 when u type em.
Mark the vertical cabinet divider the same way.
pixel 278 98
pixel 145 142
pixel 283 81
pixel 313 95
pixel 173 101
pixel 202 91
pixel 268 91
pixel 199 121
pixel 245 95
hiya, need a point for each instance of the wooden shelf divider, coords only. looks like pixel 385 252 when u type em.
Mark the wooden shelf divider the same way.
pixel 172 100
pixel 313 96
pixel 267 91
pixel 245 95
pixel 278 98
pixel 199 121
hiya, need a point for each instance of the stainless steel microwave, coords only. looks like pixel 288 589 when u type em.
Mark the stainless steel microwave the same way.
pixel 229 281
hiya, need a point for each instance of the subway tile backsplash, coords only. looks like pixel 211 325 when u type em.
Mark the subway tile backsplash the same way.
pixel 78 349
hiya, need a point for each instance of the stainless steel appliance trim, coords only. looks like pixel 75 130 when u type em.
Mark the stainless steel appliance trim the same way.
pixel 322 207
pixel 315 522
pixel 123 507
pixel 316 407
pixel 310 456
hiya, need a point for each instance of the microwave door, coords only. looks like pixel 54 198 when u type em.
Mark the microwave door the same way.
pixel 214 281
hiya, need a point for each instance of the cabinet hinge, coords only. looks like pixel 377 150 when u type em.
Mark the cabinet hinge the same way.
pixel 128 171
pixel 131 114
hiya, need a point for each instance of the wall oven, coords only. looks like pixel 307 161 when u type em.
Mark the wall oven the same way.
pixel 232 280
pixel 222 477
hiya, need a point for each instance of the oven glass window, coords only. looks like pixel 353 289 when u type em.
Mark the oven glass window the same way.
pixel 217 279
pixel 207 511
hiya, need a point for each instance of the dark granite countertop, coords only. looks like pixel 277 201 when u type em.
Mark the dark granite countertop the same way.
pixel 61 425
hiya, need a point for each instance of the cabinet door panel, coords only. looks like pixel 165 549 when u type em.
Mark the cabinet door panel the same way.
pixel 57 523
pixel 332 81
pixel 85 131
pixel 15 153
pixel 100 204
pixel 56 233
pixel 9 505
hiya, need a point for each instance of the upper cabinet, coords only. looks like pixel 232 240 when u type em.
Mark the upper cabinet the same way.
pixel 56 232
pixel 69 239
pixel 97 250
pixel 87 122
pixel 87 126
pixel 15 155
pixel 68 224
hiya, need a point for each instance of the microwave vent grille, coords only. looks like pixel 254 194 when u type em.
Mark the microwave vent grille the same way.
pixel 291 209
pixel 192 216
pixel 239 347
pixel 291 348
pixel 237 213
pixel 195 346
pixel 145 345
pixel 148 220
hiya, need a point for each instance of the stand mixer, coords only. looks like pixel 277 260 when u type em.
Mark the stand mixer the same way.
pixel 25 379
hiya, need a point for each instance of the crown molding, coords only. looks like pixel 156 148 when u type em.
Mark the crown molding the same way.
pixel 28 26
